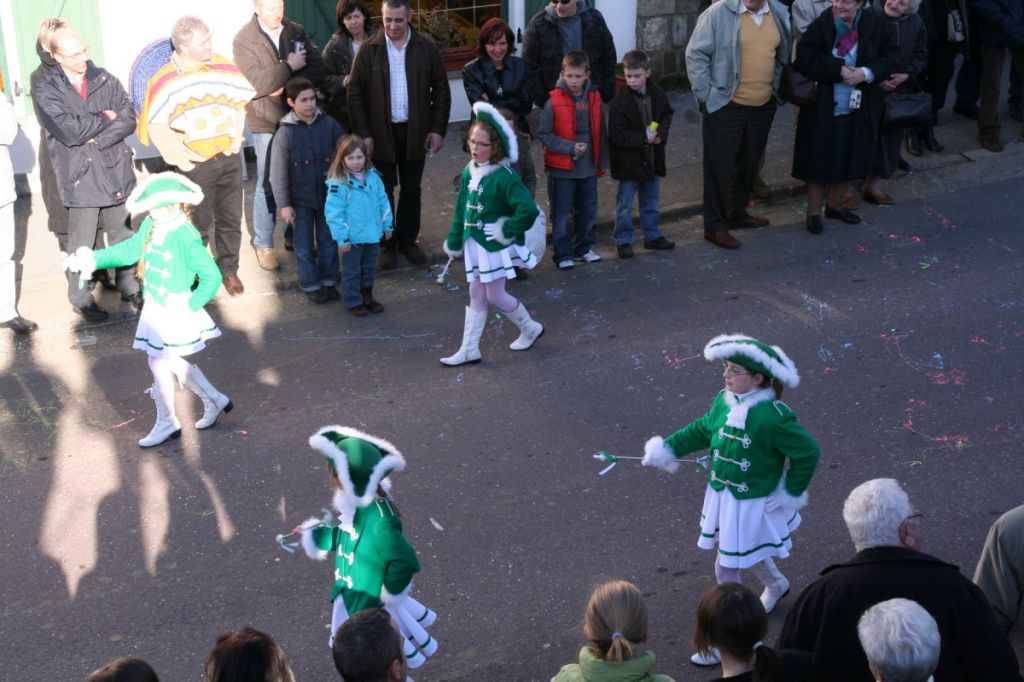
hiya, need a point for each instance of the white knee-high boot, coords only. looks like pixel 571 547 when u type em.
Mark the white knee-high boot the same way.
pixel 214 402
pixel 469 351
pixel 529 330
pixel 776 586
pixel 167 424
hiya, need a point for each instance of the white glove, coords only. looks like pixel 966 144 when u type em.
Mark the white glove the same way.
pixel 450 253
pixel 81 261
pixel 494 232
pixel 659 456
pixel 782 500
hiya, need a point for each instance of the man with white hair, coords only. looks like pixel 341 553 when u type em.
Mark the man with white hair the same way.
pixel 901 641
pixel 886 532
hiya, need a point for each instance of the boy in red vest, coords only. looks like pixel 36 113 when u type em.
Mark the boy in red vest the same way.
pixel 574 133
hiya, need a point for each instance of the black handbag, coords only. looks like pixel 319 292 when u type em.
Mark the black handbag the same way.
pixel 796 88
pixel 910 110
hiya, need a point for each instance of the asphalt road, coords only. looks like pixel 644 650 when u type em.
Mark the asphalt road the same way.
pixel 907 331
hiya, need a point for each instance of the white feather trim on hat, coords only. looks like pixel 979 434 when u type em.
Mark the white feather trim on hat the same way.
pixel 657 454
pixel 487 113
pixel 726 345
pixel 179 190
pixel 392 460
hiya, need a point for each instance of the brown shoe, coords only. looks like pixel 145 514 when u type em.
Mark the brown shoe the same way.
pixel 992 143
pixel 761 190
pixel 738 221
pixel 881 199
pixel 233 285
pixel 266 258
pixel 849 203
pixel 358 311
pixel 722 238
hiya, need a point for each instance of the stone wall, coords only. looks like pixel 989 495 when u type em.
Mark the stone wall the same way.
pixel 662 29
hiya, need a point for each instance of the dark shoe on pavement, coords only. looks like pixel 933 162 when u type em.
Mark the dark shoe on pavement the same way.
pixel 880 199
pixel 844 214
pixel 659 244
pixel 19 325
pixel 359 311
pixel 332 293
pixel 233 285
pixel 722 238
pixel 93 313
pixel 388 259
pixel 761 190
pixel 135 299
pixel 370 303
pixel 992 144
pixel 522 274
pixel 319 296
pixel 814 224
pixel 903 165
pixel 743 219
pixel 968 110
pixel 929 140
pixel 624 250
pixel 414 253
pixel 913 141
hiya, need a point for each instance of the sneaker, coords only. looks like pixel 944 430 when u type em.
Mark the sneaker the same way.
pixel 266 258
pixel 93 313
pixel 624 250
pixel 712 658
pixel 588 257
pixel 659 244
pixel 566 264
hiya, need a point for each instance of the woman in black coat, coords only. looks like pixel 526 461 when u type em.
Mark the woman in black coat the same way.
pixel 353 30
pixel 848 52
pixel 907 30
pixel 497 76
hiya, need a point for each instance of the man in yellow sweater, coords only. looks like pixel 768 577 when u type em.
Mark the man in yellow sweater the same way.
pixel 734 60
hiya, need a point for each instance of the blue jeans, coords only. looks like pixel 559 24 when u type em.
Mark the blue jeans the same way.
pixel 360 265
pixel 650 194
pixel 572 200
pixel 322 269
pixel 262 219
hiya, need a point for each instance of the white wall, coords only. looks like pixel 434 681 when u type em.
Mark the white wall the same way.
pixel 620 16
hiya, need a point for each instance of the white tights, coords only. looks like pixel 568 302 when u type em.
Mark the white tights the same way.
pixel 724 574
pixel 164 369
pixel 482 293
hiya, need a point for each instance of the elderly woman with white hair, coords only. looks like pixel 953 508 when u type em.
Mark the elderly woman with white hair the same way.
pixel 901 641
pixel 886 531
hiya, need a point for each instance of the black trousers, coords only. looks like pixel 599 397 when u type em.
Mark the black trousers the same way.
pixel 735 137
pixel 220 212
pixel 408 175
pixel 82 226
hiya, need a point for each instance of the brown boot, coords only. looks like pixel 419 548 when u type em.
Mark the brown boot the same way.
pixel 368 301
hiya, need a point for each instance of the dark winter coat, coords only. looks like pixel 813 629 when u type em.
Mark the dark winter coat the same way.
pixel 824 618
pixel 300 156
pixel 1000 22
pixel 56 211
pixel 92 163
pixel 338 60
pixel 814 153
pixel 911 37
pixel 369 96
pixel 510 87
pixel 543 52
pixel 265 65
pixel 631 156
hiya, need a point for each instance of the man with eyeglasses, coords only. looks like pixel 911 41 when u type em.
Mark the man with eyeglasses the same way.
pixel 86 115
pixel 559 28
pixel 887 532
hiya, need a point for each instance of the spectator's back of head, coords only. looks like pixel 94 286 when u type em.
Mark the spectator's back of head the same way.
pixel 901 641
pixel 247 655
pixel 875 512
pixel 615 620
pixel 124 670
pixel 731 618
pixel 368 648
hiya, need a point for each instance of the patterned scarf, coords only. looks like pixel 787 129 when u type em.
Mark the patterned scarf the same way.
pixel 846 35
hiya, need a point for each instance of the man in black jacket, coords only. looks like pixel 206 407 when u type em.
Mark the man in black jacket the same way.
pixel 1000 29
pixel 86 116
pixel 886 531
pixel 559 28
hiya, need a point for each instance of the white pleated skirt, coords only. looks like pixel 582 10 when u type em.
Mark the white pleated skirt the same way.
pixel 743 530
pixel 488 266
pixel 173 330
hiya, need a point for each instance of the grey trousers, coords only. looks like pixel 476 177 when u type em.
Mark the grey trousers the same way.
pixel 82 226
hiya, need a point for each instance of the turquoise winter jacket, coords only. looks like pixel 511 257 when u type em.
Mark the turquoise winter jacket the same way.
pixel 358 212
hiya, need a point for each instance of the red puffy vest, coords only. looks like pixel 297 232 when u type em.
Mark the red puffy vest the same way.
pixel 563 107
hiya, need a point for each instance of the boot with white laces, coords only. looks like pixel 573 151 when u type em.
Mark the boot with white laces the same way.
pixel 529 331
pixel 469 351
pixel 214 402
pixel 776 586
pixel 167 424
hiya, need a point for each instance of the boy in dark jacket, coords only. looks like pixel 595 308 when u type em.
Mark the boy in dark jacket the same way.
pixel 301 153
pixel 638 123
